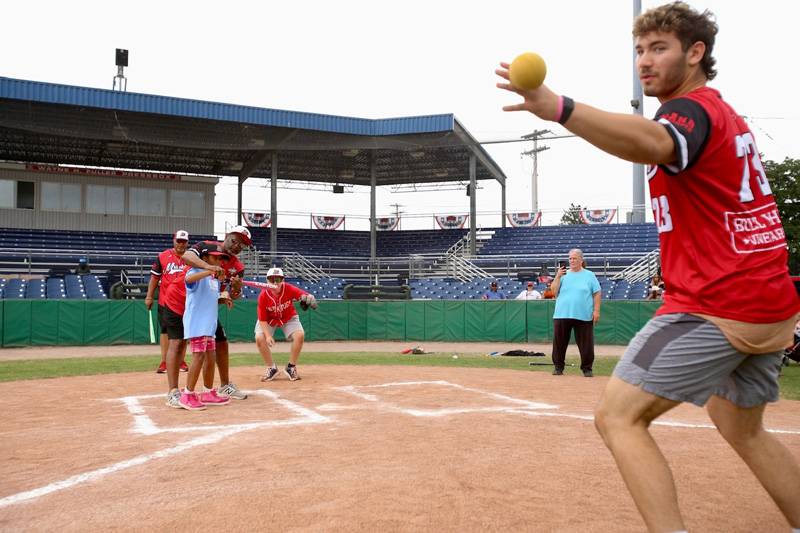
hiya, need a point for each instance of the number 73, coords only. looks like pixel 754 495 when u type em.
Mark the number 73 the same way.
pixel 746 146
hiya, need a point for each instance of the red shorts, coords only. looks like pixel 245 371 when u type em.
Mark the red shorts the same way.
pixel 203 344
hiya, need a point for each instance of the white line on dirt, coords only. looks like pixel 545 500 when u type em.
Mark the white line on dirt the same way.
pixel 353 389
pixel 94 475
pixel 668 423
pixel 143 424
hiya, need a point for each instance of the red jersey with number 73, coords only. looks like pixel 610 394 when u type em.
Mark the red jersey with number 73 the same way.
pixel 723 247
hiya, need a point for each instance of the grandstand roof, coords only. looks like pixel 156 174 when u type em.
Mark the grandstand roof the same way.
pixel 61 124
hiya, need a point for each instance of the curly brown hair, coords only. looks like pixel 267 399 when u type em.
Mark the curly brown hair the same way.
pixel 688 25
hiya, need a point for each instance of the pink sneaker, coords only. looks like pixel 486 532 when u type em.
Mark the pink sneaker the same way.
pixel 212 398
pixel 189 401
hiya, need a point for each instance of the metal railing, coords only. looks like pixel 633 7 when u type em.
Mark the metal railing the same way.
pixel 641 270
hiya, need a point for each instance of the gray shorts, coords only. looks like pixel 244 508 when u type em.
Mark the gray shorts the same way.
pixel 686 358
pixel 291 325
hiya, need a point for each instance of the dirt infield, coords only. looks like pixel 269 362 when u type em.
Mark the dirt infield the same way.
pixel 353 449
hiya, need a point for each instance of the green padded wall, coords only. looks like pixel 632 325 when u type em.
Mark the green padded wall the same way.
pixel 103 322
pixel 17 322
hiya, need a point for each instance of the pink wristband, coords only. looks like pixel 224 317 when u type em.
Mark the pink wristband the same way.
pixel 560 108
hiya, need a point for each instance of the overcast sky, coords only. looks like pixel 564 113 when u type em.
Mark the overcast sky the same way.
pixel 389 59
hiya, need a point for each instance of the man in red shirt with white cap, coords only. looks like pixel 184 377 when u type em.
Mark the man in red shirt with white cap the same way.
pixel 166 272
pixel 276 310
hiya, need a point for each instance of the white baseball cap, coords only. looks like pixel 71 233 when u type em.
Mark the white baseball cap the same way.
pixel 244 233
pixel 275 271
pixel 181 235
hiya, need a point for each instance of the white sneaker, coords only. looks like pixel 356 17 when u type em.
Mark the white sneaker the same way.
pixel 291 372
pixel 270 374
pixel 231 392
pixel 174 399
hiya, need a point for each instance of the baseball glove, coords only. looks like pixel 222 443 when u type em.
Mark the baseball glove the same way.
pixel 308 300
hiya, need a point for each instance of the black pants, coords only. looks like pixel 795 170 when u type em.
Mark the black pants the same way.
pixel 584 338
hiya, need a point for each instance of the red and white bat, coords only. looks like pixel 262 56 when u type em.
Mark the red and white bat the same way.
pixel 256 284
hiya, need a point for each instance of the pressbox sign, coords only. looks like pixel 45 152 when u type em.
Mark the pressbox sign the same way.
pixel 757 230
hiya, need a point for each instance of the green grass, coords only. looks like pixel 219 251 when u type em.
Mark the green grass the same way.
pixel 52 368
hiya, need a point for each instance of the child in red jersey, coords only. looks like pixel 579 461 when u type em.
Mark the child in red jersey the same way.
pixel 276 310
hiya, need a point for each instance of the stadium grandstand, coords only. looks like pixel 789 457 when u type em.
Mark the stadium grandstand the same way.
pixel 106 176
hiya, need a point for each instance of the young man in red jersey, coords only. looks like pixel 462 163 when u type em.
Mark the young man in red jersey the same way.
pixel 714 341
pixel 232 271
pixel 276 310
pixel 169 270
pixel 166 270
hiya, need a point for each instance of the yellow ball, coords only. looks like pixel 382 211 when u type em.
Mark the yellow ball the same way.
pixel 527 71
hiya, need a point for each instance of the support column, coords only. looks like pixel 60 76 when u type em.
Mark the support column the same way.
pixel 473 193
pixel 239 185
pixel 503 205
pixel 373 232
pixel 637 215
pixel 273 207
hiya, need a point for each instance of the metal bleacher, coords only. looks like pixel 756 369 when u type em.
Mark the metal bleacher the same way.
pixel 41 263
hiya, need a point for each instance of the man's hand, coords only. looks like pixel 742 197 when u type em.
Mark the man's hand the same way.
pixel 270 340
pixel 224 298
pixel 148 302
pixel 308 300
pixel 236 287
pixel 541 101
pixel 596 316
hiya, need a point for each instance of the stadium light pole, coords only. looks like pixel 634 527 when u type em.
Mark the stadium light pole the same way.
pixel 637 103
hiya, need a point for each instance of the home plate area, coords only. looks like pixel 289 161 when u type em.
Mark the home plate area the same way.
pixel 435 398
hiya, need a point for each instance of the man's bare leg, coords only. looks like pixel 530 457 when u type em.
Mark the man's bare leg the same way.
pixel 176 347
pixel 264 350
pixel 767 457
pixel 623 418
pixel 222 363
pixel 298 337
pixel 163 341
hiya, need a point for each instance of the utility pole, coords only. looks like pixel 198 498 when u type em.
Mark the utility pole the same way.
pixel 535 175
pixel 397 213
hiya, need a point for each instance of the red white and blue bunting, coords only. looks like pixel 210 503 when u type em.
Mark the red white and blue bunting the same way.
pixel 256 220
pixel 598 216
pixel 387 223
pixel 451 221
pixel 524 220
pixel 326 222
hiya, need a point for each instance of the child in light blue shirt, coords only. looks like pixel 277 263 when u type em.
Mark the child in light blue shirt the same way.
pixel 199 327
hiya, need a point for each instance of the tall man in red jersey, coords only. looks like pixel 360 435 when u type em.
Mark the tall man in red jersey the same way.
pixel 166 269
pixel 276 310
pixel 715 341
pixel 231 271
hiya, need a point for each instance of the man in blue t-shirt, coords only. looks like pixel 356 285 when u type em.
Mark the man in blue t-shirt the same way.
pixel 577 307
pixel 492 293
